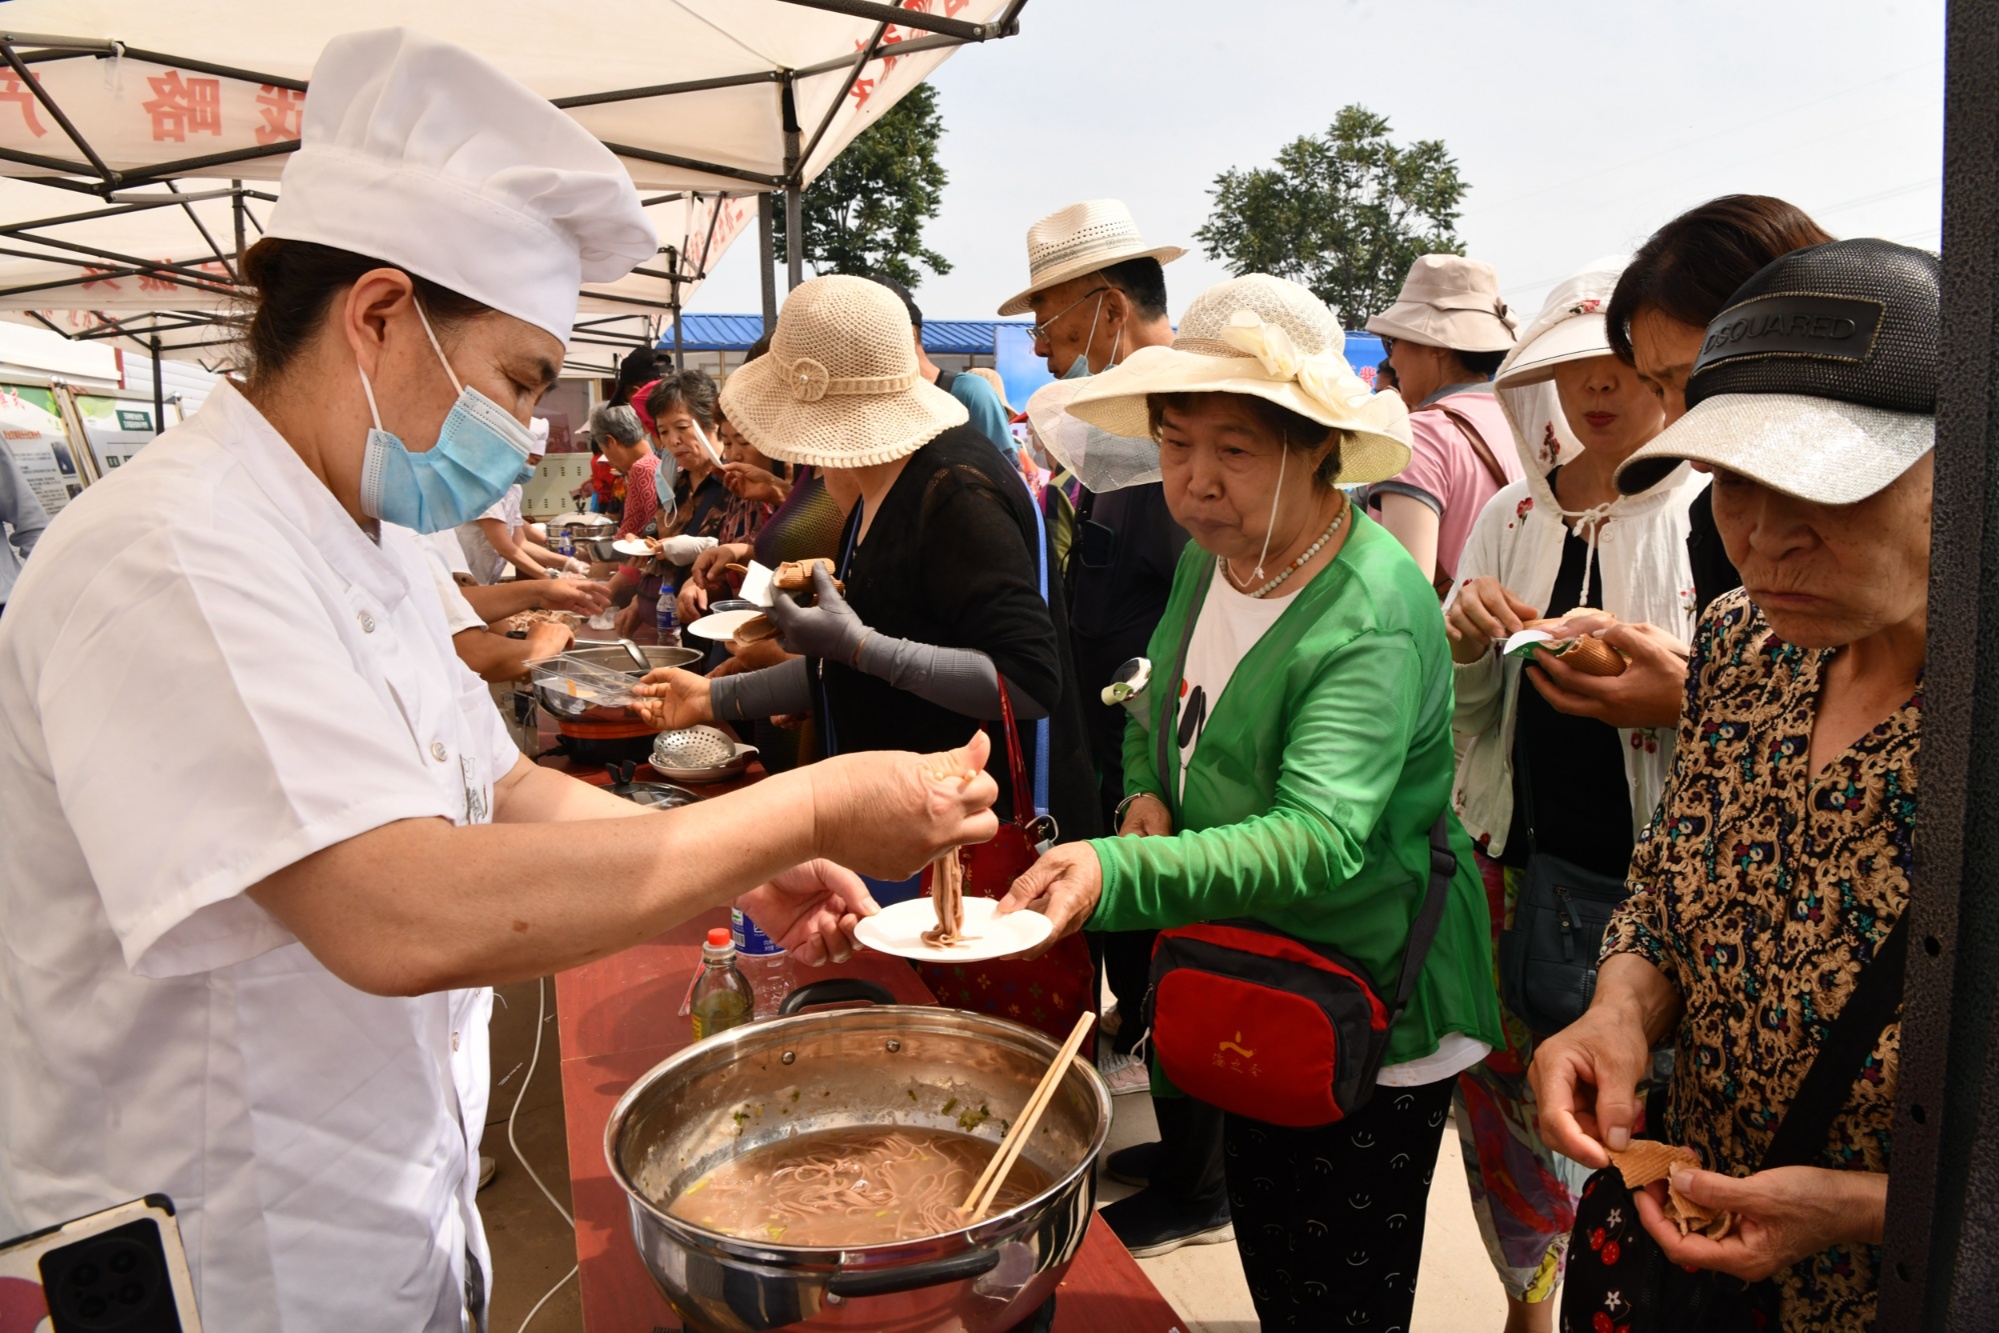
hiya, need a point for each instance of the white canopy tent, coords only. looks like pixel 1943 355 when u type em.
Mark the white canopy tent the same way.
pixel 144 141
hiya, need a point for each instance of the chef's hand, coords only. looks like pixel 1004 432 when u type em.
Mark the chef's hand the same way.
pixel 545 639
pixel 1483 611
pixel 573 595
pixel 711 567
pixel 1063 886
pixel 1648 694
pixel 829 630
pixel 1147 817
pixel 1782 1215
pixel 671 699
pixel 889 813
pixel 811 911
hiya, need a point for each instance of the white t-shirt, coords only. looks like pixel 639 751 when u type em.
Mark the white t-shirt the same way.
pixel 1229 626
pixel 488 566
pixel 208 672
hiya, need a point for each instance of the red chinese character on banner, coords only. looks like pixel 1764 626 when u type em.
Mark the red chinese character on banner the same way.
pixel 12 91
pixel 181 107
pixel 283 110
pixel 862 90
pixel 154 282
pixel 98 281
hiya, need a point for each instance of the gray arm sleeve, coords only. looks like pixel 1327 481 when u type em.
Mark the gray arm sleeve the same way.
pixel 960 679
pixel 784 688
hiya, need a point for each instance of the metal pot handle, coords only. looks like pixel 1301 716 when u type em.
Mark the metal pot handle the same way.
pixel 832 991
pixel 935 1273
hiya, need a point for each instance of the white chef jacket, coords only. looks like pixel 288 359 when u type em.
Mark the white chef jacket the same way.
pixel 488 565
pixel 208 672
pixel 438 550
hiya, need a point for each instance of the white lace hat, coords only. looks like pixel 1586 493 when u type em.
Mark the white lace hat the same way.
pixel 1079 239
pixel 1258 335
pixel 839 386
pixel 421 154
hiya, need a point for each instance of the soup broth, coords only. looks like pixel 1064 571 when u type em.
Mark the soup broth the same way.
pixel 847 1187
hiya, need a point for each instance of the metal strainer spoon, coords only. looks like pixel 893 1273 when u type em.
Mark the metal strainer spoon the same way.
pixel 694 747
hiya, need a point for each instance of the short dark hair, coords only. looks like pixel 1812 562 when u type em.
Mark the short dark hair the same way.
pixel 1692 265
pixel 1294 429
pixel 691 388
pixel 1143 283
pixel 639 368
pixel 1483 364
pixel 908 301
pixel 757 349
pixel 1387 368
pixel 295 282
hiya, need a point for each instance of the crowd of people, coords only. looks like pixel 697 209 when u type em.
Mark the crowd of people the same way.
pixel 1603 628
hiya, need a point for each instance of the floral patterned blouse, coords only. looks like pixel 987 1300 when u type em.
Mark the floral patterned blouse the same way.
pixel 1761 890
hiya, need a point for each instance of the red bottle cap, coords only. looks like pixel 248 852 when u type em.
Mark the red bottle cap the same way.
pixel 719 937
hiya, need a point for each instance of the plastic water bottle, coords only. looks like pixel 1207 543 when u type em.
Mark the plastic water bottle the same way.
pixel 721 998
pixel 668 622
pixel 565 544
pixel 767 967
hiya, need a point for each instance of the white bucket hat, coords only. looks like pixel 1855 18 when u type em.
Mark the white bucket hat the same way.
pixel 421 154
pixel 1570 326
pixel 839 386
pixel 1257 335
pixel 1079 239
pixel 1449 301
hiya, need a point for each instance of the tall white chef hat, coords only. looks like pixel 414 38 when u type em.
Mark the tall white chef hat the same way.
pixel 421 154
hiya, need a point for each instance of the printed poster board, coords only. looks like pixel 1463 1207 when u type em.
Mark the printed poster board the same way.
pixel 31 423
pixel 116 425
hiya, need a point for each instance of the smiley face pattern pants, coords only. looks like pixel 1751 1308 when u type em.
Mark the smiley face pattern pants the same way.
pixel 1329 1221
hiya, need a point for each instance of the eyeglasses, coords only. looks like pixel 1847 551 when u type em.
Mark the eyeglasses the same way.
pixel 1387 344
pixel 1040 332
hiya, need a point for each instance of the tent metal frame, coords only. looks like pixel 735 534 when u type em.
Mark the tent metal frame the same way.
pixel 88 173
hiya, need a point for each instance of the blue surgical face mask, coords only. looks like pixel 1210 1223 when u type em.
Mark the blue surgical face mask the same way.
pixel 1079 369
pixel 481 450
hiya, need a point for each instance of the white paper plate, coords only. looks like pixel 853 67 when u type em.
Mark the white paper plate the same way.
pixel 722 626
pixel 631 546
pixel 899 930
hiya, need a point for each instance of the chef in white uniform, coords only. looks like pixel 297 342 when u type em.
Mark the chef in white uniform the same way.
pixel 267 842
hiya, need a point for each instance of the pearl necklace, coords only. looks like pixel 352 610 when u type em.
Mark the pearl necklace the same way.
pixel 1297 564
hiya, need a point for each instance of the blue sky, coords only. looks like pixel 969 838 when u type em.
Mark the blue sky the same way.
pixel 1580 126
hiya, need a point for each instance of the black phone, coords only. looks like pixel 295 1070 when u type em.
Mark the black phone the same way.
pixel 122 1270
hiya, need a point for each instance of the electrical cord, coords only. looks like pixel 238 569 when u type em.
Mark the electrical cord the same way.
pixel 520 1095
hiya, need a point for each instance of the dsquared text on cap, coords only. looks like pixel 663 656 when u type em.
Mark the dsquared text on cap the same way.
pixel 1836 328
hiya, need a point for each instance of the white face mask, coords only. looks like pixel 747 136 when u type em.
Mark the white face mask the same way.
pixel 1080 367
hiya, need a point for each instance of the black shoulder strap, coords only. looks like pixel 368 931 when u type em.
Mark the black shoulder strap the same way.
pixel 1163 731
pixel 1843 1055
pixel 1423 930
pixel 944 379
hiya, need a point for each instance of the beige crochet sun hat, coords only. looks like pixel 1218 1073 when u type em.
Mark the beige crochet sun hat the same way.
pixel 1080 239
pixel 1258 335
pixel 840 386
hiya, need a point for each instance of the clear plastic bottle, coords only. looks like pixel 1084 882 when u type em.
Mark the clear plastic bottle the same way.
pixel 767 967
pixel 722 998
pixel 668 610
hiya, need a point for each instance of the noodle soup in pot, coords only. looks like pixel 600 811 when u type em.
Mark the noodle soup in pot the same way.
pixel 844 1187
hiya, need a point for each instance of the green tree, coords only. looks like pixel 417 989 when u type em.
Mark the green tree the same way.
pixel 865 213
pixel 1344 213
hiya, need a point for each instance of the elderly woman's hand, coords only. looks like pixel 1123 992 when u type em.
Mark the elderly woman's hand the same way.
pixel 811 911
pixel 1063 886
pixel 1781 1216
pixel 1648 693
pixel 1482 612
pixel 1586 1076
pixel 671 699
pixel 1146 817
pixel 711 567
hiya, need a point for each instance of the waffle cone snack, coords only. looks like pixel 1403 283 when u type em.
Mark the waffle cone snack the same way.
pixel 1586 653
pixel 1647 1160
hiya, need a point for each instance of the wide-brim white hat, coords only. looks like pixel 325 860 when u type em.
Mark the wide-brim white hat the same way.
pixel 1267 338
pixel 1570 326
pixel 1080 239
pixel 1822 450
pixel 840 385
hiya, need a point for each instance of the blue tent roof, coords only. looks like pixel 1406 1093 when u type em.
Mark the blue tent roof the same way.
pixel 735 333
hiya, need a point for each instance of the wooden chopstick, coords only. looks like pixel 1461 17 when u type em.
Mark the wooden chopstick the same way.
pixel 1008 1151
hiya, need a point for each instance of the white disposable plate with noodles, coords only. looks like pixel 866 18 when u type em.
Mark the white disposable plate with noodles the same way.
pixel 722 626
pixel 631 546
pixel 898 929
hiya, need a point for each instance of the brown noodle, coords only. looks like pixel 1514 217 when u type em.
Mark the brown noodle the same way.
pixel 845 1187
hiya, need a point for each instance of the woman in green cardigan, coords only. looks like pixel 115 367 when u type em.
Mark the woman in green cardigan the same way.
pixel 1288 765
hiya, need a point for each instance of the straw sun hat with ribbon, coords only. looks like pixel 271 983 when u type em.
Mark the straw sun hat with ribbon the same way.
pixel 1257 335
pixel 840 385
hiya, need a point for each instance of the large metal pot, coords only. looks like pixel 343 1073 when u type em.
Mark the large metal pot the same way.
pixel 829 1070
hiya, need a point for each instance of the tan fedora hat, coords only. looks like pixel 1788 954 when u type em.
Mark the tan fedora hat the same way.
pixel 1079 239
pixel 1449 301
pixel 840 386
pixel 1258 335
